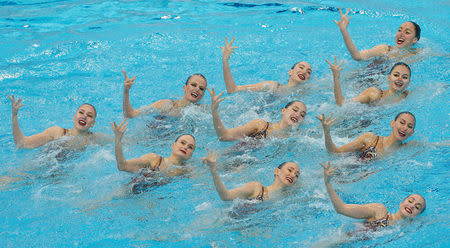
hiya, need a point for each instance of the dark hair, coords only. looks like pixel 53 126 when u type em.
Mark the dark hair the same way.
pixel 284 163
pixel 295 65
pixel 184 135
pixel 401 63
pixel 408 113
pixel 195 74
pixel 417 27
pixel 95 111
pixel 292 102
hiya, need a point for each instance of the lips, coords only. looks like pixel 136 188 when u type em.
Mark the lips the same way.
pixel 408 210
pixel 400 41
pixel 402 133
pixel 183 151
pixel 294 119
pixel 301 76
pixel 82 123
pixel 194 94
pixel 290 180
pixel 398 83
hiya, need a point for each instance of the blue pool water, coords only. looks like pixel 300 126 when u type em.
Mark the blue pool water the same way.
pixel 59 54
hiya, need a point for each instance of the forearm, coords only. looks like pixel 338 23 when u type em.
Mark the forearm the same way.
pixel 19 138
pixel 338 96
pixel 228 78
pixel 220 187
pixel 350 45
pixel 338 204
pixel 331 147
pixel 128 110
pixel 120 158
pixel 218 125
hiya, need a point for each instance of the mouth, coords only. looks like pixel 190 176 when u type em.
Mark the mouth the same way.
pixel 400 41
pixel 294 119
pixel 290 180
pixel 194 94
pixel 398 84
pixel 183 151
pixel 301 76
pixel 408 210
pixel 82 123
pixel 402 133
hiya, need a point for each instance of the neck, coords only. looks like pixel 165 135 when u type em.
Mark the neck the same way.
pixel 174 160
pixel 183 102
pixel 77 132
pixel 280 126
pixel 397 216
pixel 390 142
pixel 291 83
pixel 392 92
pixel 276 186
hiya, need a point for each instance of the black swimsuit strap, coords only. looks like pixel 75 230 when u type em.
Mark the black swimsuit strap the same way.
pixel 159 163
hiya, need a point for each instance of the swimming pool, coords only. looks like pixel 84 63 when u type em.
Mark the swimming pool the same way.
pixel 59 54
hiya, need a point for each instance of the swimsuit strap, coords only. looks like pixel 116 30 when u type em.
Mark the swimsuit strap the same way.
pixel 65 131
pixel 159 163
pixel 260 197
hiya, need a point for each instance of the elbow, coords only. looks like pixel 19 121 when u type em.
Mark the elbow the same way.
pixel 357 57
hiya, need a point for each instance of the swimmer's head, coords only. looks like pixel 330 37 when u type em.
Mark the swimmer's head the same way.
pixel 184 146
pixel 84 117
pixel 287 173
pixel 399 77
pixel 300 72
pixel 417 29
pixel 293 113
pixel 412 206
pixel 403 126
pixel 195 87
pixel 407 35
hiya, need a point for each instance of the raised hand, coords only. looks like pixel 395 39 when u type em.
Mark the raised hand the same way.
pixel 343 22
pixel 228 49
pixel 128 82
pixel 326 122
pixel 215 100
pixel 119 130
pixel 211 158
pixel 335 67
pixel 15 105
pixel 328 172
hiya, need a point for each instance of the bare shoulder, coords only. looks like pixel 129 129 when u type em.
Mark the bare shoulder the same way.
pixel 379 209
pixel 54 132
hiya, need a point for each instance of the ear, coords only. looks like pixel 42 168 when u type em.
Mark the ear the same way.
pixel 415 40
pixel 389 77
pixel 172 146
pixel 283 110
pixel 277 171
pixel 392 123
pixel 290 72
pixel 184 88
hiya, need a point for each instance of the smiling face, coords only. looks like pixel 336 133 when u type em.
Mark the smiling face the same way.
pixel 84 118
pixel 301 72
pixel 412 206
pixel 288 173
pixel 403 126
pixel 184 146
pixel 406 35
pixel 195 88
pixel 294 114
pixel 399 78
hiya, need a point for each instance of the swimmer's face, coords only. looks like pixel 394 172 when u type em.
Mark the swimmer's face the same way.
pixel 294 114
pixel 403 127
pixel 412 206
pixel 399 78
pixel 288 174
pixel 184 147
pixel 406 35
pixel 84 118
pixel 195 88
pixel 301 72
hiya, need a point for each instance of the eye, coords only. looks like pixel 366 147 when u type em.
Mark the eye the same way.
pixel 183 142
pixel 90 115
pixel 396 74
pixel 202 88
pixel 410 126
pixel 408 32
pixel 405 77
pixel 191 147
pixel 303 114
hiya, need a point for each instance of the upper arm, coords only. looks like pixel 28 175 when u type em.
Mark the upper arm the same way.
pixel 366 211
pixel 46 136
pixel 356 145
pixel 145 161
pixel 245 130
pixel 247 191
pixel 161 105
pixel 375 51
pixel 369 95
pixel 261 86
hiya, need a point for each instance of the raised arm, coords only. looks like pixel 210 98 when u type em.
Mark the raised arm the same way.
pixel 228 78
pixel 128 111
pixel 235 133
pixel 37 140
pixel 357 211
pixel 326 122
pixel 336 69
pixel 247 191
